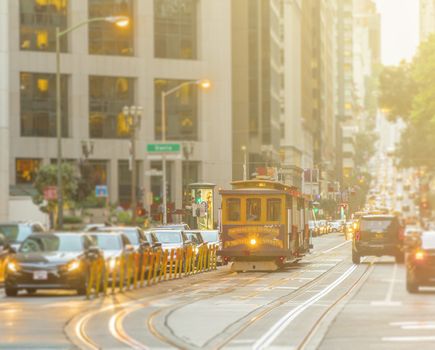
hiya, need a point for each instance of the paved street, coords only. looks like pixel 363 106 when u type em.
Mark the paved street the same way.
pixel 323 302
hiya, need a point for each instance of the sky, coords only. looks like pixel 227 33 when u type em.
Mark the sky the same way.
pixel 400 29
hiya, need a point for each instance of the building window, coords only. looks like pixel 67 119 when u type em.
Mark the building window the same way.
pixel 106 38
pixel 38 22
pixel 274 210
pixel 26 170
pixel 97 172
pixel 38 104
pixel 175 29
pixel 181 111
pixel 107 97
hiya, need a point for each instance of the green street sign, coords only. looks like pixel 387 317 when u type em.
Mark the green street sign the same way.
pixel 163 148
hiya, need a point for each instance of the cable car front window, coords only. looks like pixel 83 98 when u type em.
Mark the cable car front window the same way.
pixel 253 209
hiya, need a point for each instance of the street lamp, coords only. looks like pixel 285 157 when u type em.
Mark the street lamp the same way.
pixel 245 162
pixel 133 115
pixel 120 21
pixel 202 83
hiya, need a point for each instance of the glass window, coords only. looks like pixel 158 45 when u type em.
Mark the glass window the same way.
pixel 52 243
pixel 38 104
pixel 38 22
pixel 253 209
pixel 26 170
pixel 274 210
pixel 175 29
pixel 96 172
pixel 106 38
pixel 107 242
pixel 376 225
pixel 124 182
pixel 15 233
pixel 107 97
pixel 181 111
pixel 233 209
pixel 168 236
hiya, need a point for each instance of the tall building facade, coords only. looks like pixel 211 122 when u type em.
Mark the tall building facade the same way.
pixel 105 68
pixel 257 44
pixel 427 18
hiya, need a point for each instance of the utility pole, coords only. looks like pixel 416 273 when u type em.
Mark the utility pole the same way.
pixel 133 115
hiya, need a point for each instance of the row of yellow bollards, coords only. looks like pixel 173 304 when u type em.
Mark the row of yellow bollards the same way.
pixel 149 267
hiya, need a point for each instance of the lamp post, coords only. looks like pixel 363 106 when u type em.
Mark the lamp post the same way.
pixel 245 162
pixel 133 115
pixel 120 21
pixel 204 84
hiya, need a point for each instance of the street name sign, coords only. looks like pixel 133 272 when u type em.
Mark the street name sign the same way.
pixel 163 148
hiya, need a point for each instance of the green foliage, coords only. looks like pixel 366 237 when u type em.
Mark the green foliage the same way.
pixel 47 176
pixel 408 91
pixel 72 220
pixel 397 88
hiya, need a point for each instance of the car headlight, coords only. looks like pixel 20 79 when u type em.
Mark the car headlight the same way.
pixel 73 265
pixel 111 263
pixel 12 266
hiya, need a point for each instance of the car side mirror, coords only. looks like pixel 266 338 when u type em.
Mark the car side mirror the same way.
pixel 145 245
pixel 157 245
pixel 188 242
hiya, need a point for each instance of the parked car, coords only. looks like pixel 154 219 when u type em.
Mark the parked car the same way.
pixel 114 246
pixel 171 239
pixel 181 226
pixel 336 226
pixel 135 235
pixel 378 235
pixel 420 262
pixel 212 237
pixel 50 261
pixel 17 232
pixel 195 237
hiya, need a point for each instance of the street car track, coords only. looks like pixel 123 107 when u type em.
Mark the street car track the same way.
pixel 357 284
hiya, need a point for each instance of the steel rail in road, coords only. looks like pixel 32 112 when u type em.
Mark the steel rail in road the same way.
pixel 118 332
pixel 175 341
pixel 358 283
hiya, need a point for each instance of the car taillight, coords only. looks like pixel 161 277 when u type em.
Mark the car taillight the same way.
pixel 357 235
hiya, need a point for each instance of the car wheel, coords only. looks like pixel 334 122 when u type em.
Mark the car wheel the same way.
pixel 356 258
pixel 31 291
pixel 400 258
pixel 11 292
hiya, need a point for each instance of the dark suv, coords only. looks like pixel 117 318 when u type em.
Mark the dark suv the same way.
pixel 378 235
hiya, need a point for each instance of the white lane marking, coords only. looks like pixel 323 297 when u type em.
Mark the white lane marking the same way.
pixel 388 301
pixel 414 325
pixel 333 248
pixel 267 339
pixel 293 288
pixel 409 339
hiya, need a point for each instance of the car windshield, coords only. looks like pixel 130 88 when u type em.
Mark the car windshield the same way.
pixel 107 242
pixel 168 236
pixel 428 240
pixel 376 225
pixel 210 236
pixel 132 236
pixel 52 243
pixel 16 233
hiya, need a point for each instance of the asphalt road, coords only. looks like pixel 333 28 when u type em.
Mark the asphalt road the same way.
pixel 323 302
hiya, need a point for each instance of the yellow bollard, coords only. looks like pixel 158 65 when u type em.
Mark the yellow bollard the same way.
pixel 156 266
pixel 128 270
pixel 209 251
pixel 162 263
pixel 106 278
pixel 135 269
pixel 99 275
pixel 151 267
pixel 165 265
pixel 171 263
pixel 114 275
pixel 186 268
pixel 177 261
pixel 91 278
pixel 182 261
pixel 121 273
pixel 215 249
pixel 200 258
pixel 144 264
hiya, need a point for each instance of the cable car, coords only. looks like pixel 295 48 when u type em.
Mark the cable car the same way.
pixel 264 224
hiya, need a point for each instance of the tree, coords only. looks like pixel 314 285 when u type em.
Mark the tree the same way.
pixel 47 176
pixel 397 88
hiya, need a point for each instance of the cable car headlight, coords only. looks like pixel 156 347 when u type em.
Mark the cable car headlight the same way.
pixel 253 241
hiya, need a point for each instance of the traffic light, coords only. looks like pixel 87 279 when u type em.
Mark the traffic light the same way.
pixel 198 198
